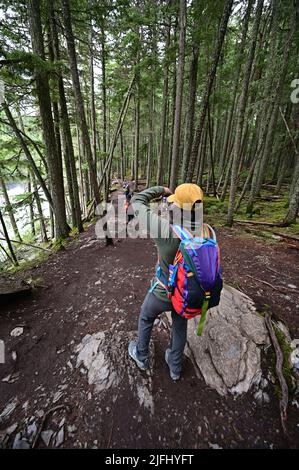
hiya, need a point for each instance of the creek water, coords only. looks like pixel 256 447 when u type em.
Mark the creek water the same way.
pixel 22 214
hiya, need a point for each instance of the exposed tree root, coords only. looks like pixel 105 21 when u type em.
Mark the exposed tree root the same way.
pixel 283 402
pixel 52 410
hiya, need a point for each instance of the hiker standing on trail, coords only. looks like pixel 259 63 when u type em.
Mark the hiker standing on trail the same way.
pixel 129 209
pixel 126 189
pixel 165 294
pixel 128 192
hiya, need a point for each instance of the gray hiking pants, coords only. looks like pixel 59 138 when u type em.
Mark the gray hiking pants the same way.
pixel 150 309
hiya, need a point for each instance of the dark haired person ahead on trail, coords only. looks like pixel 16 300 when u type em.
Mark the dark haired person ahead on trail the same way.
pixel 167 240
pixel 128 192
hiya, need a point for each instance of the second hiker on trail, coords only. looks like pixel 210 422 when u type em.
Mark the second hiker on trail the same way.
pixel 128 192
pixel 188 273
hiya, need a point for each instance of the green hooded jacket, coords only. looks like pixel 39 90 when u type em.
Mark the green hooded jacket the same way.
pixel 159 229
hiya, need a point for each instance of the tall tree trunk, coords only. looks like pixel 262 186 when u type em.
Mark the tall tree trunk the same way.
pixel 209 84
pixel 92 99
pixel 236 81
pixel 191 107
pixel 103 84
pixel 179 97
pixel 79 98
pixel 70 162
pixel 104 98
pixel 44 100
pixel 137 134
pixel 150 158
pixel 241 114
pixel 267 109
pixel 162 149
pixel 276 98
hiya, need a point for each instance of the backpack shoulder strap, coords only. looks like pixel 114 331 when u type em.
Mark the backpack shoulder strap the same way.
pixel 181 232
pixel 184 234
pixel 208 232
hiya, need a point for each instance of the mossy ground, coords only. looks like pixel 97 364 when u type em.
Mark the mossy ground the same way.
pixel 263 211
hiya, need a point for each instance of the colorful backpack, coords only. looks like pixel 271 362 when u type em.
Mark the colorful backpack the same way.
pixel 195 277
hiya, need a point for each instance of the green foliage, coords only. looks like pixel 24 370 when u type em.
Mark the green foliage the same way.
pixel 25 264
pixel 131 37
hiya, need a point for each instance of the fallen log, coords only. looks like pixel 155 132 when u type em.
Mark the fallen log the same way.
pixel 269 198
pixel 287 237
pixel 292 247
pixel 267 224
pixel 279 234
pixel 28 244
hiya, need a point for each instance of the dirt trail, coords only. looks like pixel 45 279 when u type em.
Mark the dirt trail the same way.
pixel 89 288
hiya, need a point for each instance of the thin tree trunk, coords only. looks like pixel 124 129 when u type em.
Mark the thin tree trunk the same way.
pixel 80 158
pixel 117 131
pixel 294 188
pixel 202 158
pixel 209 84
pixel 268 104
pixel 179 97
pixel 27 153
pixel 122 158
pixel 276 98
pixel 103 84
pixel 79 98
pixel 9 209
pixel 162 150
pixel 137 135
pixel 150 140
pixel 31 206
pixel 241 114
pixel 92 99
pixel 11 250
pixel 43 229
pixel 236 81
pixel 211 153
pixel 293 198
pixel 191 107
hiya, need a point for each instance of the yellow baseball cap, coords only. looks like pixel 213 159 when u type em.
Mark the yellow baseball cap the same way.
pixel 186 194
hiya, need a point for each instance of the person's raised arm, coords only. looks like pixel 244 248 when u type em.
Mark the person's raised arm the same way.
pixel 155 225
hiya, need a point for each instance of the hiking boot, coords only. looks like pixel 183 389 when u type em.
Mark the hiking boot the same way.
pixel 143 365
pixel 174 376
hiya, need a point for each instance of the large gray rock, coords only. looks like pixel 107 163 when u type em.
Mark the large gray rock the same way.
pixel 228 354
pixel 11 286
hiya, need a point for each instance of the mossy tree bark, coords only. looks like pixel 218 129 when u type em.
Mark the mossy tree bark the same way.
pixel 44 101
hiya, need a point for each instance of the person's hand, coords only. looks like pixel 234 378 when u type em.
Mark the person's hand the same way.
pixel 166 191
